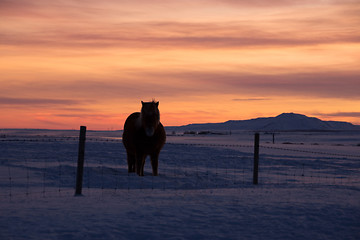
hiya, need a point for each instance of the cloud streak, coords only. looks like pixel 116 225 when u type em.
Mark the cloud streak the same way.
pixel 331 85
pixel 250 99
pixel 111 25
pixel 321 84
pixel 340 114
pixel 9 101
pixel 176 35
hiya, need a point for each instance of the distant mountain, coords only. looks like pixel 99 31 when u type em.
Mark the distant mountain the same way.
pixel 282 122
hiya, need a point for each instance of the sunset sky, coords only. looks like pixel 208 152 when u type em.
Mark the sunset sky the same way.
pixel 69 63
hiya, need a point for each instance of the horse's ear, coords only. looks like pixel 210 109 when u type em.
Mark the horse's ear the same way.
pixel 157 104
pixel 142 103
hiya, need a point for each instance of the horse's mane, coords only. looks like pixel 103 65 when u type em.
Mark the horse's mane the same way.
pixel 153 101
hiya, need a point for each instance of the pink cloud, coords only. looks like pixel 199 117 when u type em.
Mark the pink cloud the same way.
pixel 170 83
pixel 174 35
pixel 6 101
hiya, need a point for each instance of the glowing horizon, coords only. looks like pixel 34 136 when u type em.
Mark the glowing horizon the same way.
pixel 64 64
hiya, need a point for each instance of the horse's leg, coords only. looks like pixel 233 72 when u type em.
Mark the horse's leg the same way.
pixel 142 165
pixel 131 162
pixel 154 163
pixel 139 164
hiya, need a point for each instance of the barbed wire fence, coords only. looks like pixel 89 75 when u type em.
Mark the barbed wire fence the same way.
pixel 310 167
pixel 33 167
pixel 36 167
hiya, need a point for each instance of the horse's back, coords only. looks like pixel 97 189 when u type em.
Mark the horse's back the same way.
pixel 131 121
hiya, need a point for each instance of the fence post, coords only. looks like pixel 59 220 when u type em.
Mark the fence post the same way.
pixel 273 135
pixel 256 158
pixel 80 164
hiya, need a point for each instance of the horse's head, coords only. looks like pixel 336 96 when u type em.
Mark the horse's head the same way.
pixel 150 117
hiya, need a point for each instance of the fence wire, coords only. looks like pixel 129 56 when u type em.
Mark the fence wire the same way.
pixel 46 167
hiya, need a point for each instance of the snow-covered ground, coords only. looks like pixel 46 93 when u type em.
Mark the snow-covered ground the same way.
pixel 309 188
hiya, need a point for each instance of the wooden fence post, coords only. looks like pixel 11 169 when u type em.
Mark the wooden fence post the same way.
pixel 80 164
pixel 256 158
pixel 273 135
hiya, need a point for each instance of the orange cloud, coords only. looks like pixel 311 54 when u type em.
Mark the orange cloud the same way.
pixel 68 62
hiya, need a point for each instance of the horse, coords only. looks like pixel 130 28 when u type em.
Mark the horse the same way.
pixel 144 135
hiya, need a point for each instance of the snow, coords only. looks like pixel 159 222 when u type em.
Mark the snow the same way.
pixel 309 188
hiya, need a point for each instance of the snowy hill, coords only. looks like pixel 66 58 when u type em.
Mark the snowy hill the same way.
pixel 282 122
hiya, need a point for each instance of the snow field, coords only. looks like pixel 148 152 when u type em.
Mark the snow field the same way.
pixel 203 191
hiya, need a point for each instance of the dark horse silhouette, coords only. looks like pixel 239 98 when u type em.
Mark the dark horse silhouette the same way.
pixel 144 135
